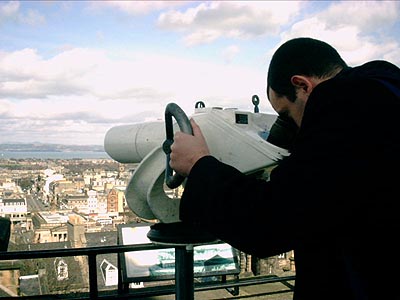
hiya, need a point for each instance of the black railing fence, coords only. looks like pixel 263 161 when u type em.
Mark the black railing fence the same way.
pixel 122 292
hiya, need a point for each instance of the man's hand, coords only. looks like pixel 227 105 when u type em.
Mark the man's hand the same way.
pixel 187 149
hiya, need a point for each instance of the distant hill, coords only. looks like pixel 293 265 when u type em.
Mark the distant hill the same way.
pixel 41 147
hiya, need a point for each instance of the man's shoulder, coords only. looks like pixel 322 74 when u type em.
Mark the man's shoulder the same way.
pixel 374 70
pixel 375 66
pixel 348 95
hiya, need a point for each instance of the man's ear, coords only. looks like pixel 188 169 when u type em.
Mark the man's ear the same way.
pixel 302 82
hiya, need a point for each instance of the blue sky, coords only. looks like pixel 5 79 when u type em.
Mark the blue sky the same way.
pixel 71 70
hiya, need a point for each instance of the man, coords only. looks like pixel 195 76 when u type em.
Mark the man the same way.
pixel 335 199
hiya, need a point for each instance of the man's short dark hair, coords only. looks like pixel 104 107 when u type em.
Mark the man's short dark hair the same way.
pixel 301 56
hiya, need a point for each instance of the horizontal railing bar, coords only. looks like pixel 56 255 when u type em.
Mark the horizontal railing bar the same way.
pixel 78 251
pixel 165 289
pixel 243 282
pixel 96 250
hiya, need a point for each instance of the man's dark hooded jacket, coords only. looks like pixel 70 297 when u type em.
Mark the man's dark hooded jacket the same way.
pixel 334 201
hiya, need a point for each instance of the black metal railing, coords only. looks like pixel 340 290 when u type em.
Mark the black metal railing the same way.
pixel 122 293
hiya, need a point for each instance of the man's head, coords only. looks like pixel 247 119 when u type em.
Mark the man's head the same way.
pixel 296 68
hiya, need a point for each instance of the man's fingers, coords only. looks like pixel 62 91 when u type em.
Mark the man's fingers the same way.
pixel 196 128
pixel 187 149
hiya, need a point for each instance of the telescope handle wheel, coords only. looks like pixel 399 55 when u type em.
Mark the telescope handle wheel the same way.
pixel 173 110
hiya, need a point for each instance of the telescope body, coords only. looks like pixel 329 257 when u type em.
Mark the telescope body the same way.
pixel 131 143
pixel 237 138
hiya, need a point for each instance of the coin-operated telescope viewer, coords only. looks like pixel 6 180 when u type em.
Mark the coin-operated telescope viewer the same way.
pixel 250 141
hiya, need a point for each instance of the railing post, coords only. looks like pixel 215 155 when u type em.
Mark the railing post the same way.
pixel 184 277
pixel 92 276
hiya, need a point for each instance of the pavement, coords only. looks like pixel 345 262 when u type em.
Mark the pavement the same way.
pixel 267 291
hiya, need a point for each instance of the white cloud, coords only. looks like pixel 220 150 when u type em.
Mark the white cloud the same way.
pixel 10 11
pixel 32 18
pixel 85 85
pixel 366 15
pixel 138 7
pixel 20 63
pixel 346 25
pixel 230 52
pixel 233 19
pixel 202 37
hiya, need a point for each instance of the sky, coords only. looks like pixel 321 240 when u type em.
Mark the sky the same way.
pixel 71 70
